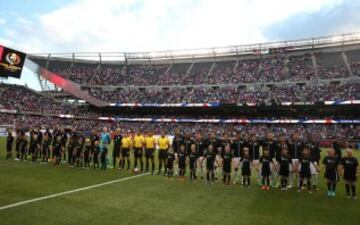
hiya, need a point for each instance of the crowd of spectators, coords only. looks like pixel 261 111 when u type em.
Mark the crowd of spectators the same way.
pixel 276 67
pixel 23 99
pixel 353 58
pixel 232 94
pixel 331 65
pixel 319 131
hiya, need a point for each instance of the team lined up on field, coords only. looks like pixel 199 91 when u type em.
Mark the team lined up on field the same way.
pixel 276 162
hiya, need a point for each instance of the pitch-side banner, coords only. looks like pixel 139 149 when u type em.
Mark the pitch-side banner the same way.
pixel 11 62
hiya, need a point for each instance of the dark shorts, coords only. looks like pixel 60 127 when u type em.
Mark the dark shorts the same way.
pixel 330 175
pixel 210 166
pixel 305 173
pixel 170 164
pixel 285 172
pixel 227 168
pixel 349 176
pixel 116 152
pixel 265 171
pixel 86 155
pixel 192 165
pixel 32 150
pixel 138 152
pixel 246 171
pixel 149 153
pixel 125 152
pixel 162 154
pixel 57 153
pixel 96 157
pixel 78 154
pixel 181 164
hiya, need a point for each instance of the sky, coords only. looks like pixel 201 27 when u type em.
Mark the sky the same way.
pixel 152 25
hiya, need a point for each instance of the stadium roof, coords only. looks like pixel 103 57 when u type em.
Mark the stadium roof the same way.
pixel 235 50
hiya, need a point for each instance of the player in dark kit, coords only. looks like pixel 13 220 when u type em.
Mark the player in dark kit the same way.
pixel 192 162
pixel 210 156
pixel 227 159
pixel 87 153
pixel 331 163
pixel 200 152
pixel 117 147
pixel 95 155
pixel 48 133
pixel 71 148
pixel 266 163
pixel 254 148
pixel 350 164
pixel 57 150
pixel 337 149
pixel 237 146
pixel 296 146
pixel 177 142
pixel 46 149
pixel 305 170
pixel 55 134
pixel 246 167
pixel 93 138
pixel 9 145
pixel 63 142
pixel 79 152
pixel 34 147
pixel 181 158
pixel 23 146
pixel 170 163
pixel 40 141
pixel 270 144
pixel 284 164
pixel 188 141
pixel 17 145
pixel 314 147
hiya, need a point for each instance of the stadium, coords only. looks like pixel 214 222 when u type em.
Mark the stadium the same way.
pixel 262 133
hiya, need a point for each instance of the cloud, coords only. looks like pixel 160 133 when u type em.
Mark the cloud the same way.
pixel 139 25
pixel 7 42
pixel 2 21
pixel 342 18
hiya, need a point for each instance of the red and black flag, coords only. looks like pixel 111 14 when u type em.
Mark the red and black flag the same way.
pixel 11 62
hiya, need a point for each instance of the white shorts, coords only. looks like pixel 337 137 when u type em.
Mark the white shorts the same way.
pixel 200 161
pixel 313 168
pixel 274 166
pixel 296 166
pixel 218 161
pixel 236 162
pixel 256 164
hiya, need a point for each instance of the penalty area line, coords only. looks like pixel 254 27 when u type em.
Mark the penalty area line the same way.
pixel 70 192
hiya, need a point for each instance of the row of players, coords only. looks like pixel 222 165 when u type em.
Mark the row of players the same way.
pixel 270 158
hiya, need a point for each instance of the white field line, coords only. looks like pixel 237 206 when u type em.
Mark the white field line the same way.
pixel 70 192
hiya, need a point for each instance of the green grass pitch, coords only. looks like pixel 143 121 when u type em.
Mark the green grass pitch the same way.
pixel 152 199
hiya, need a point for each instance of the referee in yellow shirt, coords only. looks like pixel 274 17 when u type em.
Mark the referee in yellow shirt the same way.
pixel 164 144
pixel 126 144
pixel 139 142
pixel 150 143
